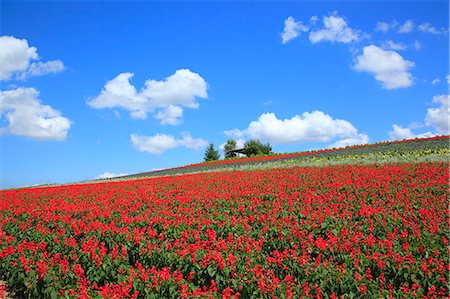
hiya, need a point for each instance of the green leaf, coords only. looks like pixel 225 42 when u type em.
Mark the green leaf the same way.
pixel 212 270
pixel 54 294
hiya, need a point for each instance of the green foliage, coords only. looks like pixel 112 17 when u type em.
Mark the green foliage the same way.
pixel 211 154
pixel 256 148
pixel 230 146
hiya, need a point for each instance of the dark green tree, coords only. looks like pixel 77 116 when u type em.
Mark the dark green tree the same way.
pixel 229 146
pixel 255 148
pixel 211 154
pixel 266 149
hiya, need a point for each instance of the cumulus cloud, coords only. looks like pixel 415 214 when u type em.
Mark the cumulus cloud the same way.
pixel 391 45
pixel 313 126
pixel 335 29
pixel 118 92
pixel 16 60
pixel 171 115
pixel 401 133
pixel 439 117
pixel 159 143
pixel 15 56
pixel 292 29
pixel 192 143
pixel 166 98
pixel 388 67
pixel 182 88
pixel 28 117
pixel 109 175
pixel 407 27
pixel 156 144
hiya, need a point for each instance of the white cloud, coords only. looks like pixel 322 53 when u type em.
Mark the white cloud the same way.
pixel 159 143
pixel 118 92
pixel 417 45
pixel 426 135
pixel 435 81
pixel 391 45
pixel 16 58
pixel 182 88
pixel 385 27
pixel 335 30
pixel 310 126
pixel 292 29
pixel 448 79
pixel 389 67
pixel 400 133
pixel 27 116
pixel 171 115
pixel 166 98
pixel 109 175
pixel 408 26
pixel 428 28
pixel 313 20
pixel 234 133
pixel 358 139
pixel 382 26
pixel 156 144
pixel 439 117
pixel 43 68
pixel 192 143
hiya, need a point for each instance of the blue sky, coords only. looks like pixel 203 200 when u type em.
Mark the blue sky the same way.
pixel 104 88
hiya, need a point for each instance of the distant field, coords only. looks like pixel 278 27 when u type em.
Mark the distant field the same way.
pixel 425 149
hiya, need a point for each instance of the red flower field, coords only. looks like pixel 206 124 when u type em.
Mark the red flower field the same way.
pixel 314 232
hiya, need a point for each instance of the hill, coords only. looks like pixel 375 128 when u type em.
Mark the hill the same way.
pixel 420 149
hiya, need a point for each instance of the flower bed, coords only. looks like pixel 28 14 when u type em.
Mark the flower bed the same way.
pixel 354 230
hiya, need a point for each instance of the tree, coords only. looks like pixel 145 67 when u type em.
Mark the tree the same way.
pixel 230 146
pixel 255 148
pixel 211 154
pixel 266 149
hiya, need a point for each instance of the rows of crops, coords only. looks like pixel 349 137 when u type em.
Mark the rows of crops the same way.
pixel 363 231
pixel 410 147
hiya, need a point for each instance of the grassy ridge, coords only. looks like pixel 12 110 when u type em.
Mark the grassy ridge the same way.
pixel 435 148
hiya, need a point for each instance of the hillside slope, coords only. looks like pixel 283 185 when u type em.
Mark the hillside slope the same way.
pixel 421 149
